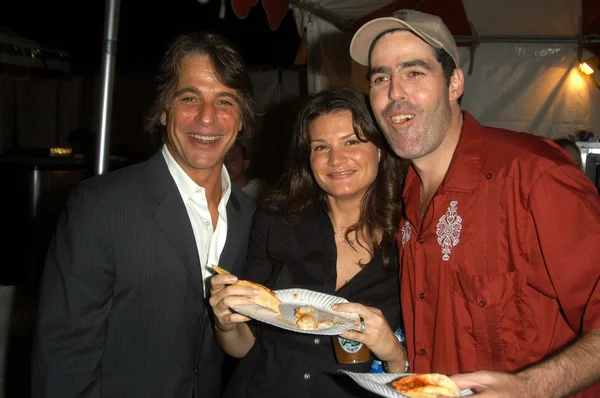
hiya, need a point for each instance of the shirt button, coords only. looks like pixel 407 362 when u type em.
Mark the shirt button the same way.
pixel 208 223
pixel 317 341
pixel 306 376
pixel 488 176
pixel 421 240
pixel 196 370
pixel 482 303
pixel 422 296
pixel 422 351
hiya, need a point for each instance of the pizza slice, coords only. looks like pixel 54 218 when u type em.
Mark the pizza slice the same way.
pixel 429 385
pixel 265 298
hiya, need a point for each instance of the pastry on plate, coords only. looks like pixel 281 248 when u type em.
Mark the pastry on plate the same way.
pixel 307 322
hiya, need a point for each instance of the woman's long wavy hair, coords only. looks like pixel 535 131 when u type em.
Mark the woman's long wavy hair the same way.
pixel 299 193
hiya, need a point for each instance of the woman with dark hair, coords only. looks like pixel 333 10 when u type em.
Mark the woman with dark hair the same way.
pixel 330 228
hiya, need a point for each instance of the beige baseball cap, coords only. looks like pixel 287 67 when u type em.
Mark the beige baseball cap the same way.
pixel 427 26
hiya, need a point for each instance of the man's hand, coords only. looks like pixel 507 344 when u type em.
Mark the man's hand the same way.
pixel 563 374
pixel 493 384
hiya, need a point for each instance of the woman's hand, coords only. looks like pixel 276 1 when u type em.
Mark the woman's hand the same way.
pixel 223 294
pixel 378 335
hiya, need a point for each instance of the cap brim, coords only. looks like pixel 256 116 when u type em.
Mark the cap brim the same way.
pixel 363 38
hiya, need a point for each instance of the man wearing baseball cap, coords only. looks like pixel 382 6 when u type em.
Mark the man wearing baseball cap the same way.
pixel 500 279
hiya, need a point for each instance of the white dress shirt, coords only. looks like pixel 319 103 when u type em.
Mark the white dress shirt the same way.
pixel 209 239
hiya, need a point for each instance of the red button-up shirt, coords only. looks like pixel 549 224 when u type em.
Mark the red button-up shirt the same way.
pixel 503 269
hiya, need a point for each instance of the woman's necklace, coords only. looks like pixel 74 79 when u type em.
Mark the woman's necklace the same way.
pixel 342 238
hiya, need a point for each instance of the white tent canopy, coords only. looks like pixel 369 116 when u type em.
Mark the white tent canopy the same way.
pixel 524 70
pixel 483 18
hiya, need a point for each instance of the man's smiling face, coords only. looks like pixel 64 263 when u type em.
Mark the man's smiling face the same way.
pixel 203 118
pixel 409 94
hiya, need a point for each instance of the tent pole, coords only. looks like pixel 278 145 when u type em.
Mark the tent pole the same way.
pixel 111 32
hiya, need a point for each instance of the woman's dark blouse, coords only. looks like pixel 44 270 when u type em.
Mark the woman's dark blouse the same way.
pixel 288 364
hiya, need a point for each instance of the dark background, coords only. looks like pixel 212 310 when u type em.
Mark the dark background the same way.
pixel 145 28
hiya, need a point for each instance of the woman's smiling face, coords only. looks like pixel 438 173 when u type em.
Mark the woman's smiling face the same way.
pixel 342 165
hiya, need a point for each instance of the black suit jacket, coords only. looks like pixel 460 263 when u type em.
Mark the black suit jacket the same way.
pixel 122 309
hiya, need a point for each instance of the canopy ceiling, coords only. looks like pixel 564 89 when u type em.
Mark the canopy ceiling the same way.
pixel 519 57
pixel 482 20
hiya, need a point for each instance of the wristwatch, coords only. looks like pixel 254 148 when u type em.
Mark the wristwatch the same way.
pixel 384 365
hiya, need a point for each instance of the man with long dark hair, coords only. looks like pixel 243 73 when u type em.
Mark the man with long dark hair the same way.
pixel 124 302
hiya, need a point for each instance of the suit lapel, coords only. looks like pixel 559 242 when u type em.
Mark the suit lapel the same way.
pixel 171 216
pixel 234 235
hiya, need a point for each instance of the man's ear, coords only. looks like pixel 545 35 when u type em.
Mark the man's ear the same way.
pixel 163 118
pixel 457 81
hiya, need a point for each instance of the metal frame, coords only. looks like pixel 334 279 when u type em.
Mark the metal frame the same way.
pixel 588 39
pixel 109 55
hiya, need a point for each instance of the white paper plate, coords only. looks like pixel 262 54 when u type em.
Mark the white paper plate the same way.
pixel 377 383
pixel 294 298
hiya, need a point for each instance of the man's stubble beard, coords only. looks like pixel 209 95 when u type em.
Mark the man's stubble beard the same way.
pixel 429 137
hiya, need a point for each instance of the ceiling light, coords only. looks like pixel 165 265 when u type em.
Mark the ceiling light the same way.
pixel 589 66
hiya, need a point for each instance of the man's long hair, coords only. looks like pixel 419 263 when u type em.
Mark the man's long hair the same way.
pixel 229 67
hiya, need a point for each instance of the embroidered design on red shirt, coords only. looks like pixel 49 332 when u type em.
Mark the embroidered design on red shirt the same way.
pixel 405 233
pixel 448 230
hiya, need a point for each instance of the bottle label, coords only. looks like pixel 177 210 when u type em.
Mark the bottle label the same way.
pixel 376 367
pixel 400 336
pixel 350 346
